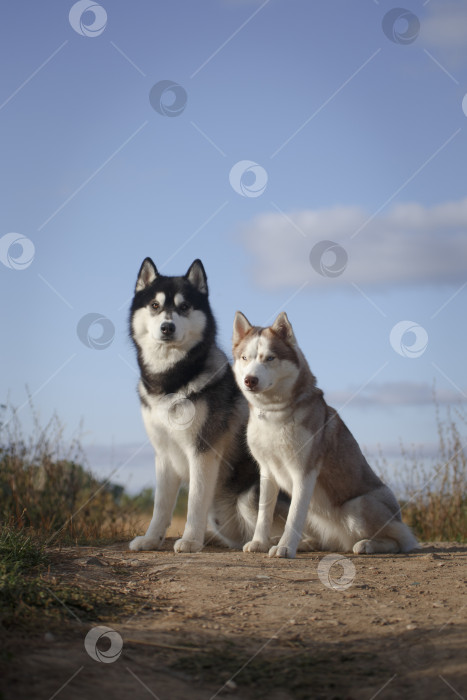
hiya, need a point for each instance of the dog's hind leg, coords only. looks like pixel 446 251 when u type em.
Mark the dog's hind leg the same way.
pixel 394 537
pixel 167 487
pixel 376 546
pixel 372 525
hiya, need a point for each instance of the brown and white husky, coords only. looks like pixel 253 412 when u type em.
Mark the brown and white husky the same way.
pixel 304 448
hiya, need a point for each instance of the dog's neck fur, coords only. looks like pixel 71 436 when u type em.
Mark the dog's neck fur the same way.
pixel 177 377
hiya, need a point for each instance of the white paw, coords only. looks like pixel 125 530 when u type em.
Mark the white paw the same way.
pixel 363 547
pixel 256 546
pixel 282 551
pixel 187 546
pixel 145 544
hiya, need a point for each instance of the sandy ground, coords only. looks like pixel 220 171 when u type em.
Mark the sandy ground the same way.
pixel 222 623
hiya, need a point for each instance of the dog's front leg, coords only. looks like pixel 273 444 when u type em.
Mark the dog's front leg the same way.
pixel 167 486
pixel 268 492
pixel 302 491
pixel 204 469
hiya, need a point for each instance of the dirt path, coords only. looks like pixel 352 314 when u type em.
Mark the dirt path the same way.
pixel 226 624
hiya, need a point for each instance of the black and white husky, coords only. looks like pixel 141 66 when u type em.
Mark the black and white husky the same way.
pixel 193 411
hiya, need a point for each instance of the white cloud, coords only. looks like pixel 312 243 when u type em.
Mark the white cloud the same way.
pixel 411 244
pixel 398 394
pixel 445 29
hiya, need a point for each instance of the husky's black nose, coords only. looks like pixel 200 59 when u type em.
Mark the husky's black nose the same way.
pixel 167 329
pixel 251 382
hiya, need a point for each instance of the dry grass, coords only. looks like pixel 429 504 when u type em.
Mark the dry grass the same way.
pixel 433 496
pixel 31 597
pixel 47 489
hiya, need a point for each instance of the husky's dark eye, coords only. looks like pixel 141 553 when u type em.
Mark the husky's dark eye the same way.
pixel 155 304
pixel 184 306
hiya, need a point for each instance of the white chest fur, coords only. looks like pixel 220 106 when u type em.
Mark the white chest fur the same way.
pixel 172 423
pixel 279 445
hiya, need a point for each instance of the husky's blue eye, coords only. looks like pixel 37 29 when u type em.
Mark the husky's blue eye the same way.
pixel 270 358
pixel 243 357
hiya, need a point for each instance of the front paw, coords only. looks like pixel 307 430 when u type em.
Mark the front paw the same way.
pixel 282 551
pixel 256 546
pixel 187 546
pixel 145 544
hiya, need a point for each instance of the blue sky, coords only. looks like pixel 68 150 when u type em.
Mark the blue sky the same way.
pixel 360 137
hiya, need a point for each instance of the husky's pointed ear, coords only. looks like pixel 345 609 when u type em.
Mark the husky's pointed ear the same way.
pixel 240 328
pixel 283 328
pixel 147 274
pixel 197 276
